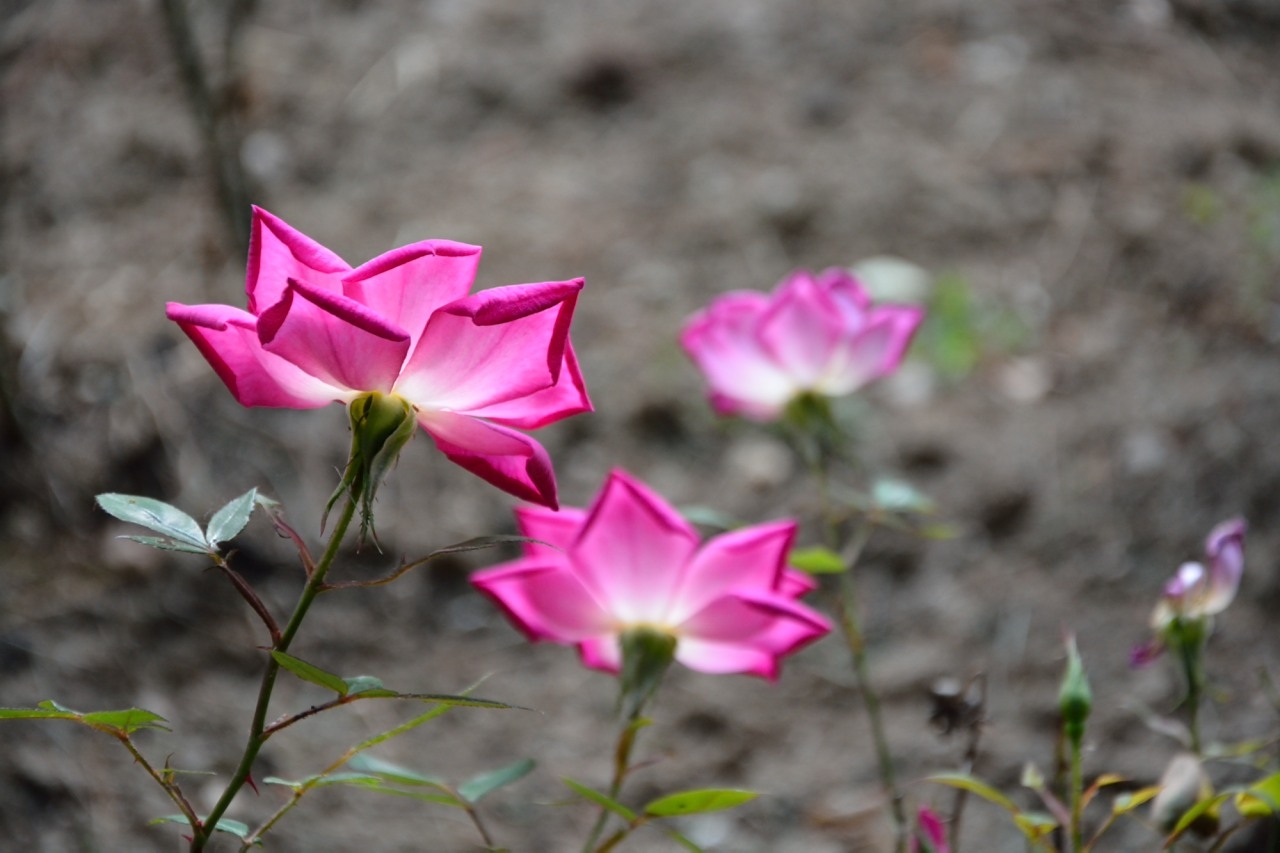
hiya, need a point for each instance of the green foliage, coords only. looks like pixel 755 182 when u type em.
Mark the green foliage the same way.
pixel 698 802
pixel 227 825
pixel 119 723
pixel 1033 825
pixel 478 787
pixel 817 561
pixel 604 801
pixel 959 331
pixel 179 531
pixel 310 672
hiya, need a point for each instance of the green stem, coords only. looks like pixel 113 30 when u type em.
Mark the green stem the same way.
pixel 871 701
pixel 174 792
pixel 201 834
pixel 1077 793
pixel 1189 656
pixel 621 763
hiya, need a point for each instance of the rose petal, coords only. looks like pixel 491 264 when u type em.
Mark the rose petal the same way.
pixel 801 328
pixel 545 600
pixel 228 339
pixel 632 551
pixel 279 252
pixel 750 558
pixel 558 529
pixel 567 397
pixel 492 347
pixel 408 284
pixel 744 379
pixel 499 455
pixel 334 338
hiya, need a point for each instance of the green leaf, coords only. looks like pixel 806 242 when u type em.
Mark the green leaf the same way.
pixel 1209 806
pixel 127 721
pixel 699 801
pixel 361 780
pixel 310 672
pixel 227 522
pixel 1126 803
pixel 394 772
pixel 460 701
pixel 474 789
pixel 900 496
pixel 1260 799
pixel 41 713
pixel 974 786
pixel 366 684
pixel 1035 825
pixel 154 515
pixel 166 544
pixel 600 799
pixel 226 824
pixel 706 516
pixel 817 561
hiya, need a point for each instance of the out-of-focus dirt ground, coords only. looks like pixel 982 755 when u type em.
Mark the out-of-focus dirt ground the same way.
pixel 1097 183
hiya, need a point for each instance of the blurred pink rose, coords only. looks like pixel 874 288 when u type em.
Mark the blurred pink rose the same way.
pixel 814 335
pixel 631 561
pixel 1194 591
pixel 471 366
pixel 934 831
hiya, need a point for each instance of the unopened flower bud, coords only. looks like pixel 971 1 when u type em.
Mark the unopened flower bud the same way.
pixel 1075 700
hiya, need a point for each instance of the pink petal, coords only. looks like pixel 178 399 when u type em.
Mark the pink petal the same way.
pixel 801 329
pixel 747 634
pixel 875 351
pixel 794 584
pixel 750 559
pixel 499 455
pixel 744 379
pixel 492 347
pixel 557 528
pixel 567 397
pixel 334 338
pixel 228 339
pixel 277 253
pixel 633 550
pixel 408 284
pixel 603 653
pixel 546 601
pixel 848 294
pixel 725 658
pixel 1225 548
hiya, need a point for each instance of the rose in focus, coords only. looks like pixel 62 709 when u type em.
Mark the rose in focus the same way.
pixel 472 369
pixel 632 562
pixel 815 334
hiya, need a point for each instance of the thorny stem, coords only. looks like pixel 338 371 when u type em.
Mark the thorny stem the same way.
pixel 248 594
pixel 201 832
pixel 174 792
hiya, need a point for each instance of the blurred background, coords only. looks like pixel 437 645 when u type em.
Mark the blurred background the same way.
pixel 1094 187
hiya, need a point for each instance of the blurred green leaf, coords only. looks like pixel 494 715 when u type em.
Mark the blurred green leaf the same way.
pixel 1208 806
pixel 394 772
pixel 37 714
pixel 1034 825
pixel 366 684
pixel 893 495
pixel 1126 803
pixel 600 799
pixel 1260 799
pixel 227 522
pixel 698 802
pixel 817 561
pixel 226 824
pixel 310 672
pixel 706 516
pixel 361 780
pixel 473 790
pixel 155 515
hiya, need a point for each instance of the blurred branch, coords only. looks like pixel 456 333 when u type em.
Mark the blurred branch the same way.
pixel 221 141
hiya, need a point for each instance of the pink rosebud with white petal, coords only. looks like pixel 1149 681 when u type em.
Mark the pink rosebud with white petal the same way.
pixel 631 563
pixel 1196 591
pixel 472 370
pixel 814 335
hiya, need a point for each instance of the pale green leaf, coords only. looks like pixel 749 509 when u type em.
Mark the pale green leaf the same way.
pixel 698 801
pixel 156 516
pixel 311 672
pixel 227 522
pixel 473 790
pixel 600 799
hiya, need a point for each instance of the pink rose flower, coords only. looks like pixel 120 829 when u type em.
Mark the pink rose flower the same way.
pixel 1195 592
pixel 472 367
pixel 814 335
pixel 631 561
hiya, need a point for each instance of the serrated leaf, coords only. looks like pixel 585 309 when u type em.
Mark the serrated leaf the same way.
pixel 227 522
pixel 366 684
pixel 311 672
pixel 166 544
pixel 1260 799
pixel 128 721
pixel 900 496
pixel 226 824
pixel 394 772
pixel 600 799
pixel 817 561
pixel 698 801
pixel 154 515
pixel 478 787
